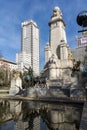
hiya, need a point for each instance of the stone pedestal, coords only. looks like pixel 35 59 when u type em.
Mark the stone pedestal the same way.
pixel 31 92
pixel 52 73
pixel 36 92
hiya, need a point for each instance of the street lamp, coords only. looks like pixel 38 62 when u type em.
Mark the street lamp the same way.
pixel 86 91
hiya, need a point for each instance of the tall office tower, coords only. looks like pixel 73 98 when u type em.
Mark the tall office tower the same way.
pixel 30 44
pixel 80 51
pixel 23 59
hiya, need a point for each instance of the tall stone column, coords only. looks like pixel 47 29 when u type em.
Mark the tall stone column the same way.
pixel 57 30
pixel 63 52
pixel 48 53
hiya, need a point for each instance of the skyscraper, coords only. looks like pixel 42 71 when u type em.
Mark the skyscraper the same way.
pixel 30 44
pixel 79 52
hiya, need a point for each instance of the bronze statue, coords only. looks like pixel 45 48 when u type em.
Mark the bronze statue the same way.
pixel 32 81
pixel 76 65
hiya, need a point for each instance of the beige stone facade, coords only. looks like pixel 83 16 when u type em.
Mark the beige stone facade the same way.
pixel 58 57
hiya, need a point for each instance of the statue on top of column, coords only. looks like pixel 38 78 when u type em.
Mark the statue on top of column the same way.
pixel 57 12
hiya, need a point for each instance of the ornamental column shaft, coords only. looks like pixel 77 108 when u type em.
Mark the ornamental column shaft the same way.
pixel 57 30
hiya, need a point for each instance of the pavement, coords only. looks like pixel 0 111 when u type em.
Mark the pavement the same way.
pixel 43 99
pixel 15 97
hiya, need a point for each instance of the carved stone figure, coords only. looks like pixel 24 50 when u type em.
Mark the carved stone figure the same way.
pixel 57 12
pixel 16 83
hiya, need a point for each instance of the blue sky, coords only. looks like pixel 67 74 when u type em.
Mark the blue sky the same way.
pixel 13 12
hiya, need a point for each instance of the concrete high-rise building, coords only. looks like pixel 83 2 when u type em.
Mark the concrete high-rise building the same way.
pixel 23 59
pixel 79 52
pixel 30 44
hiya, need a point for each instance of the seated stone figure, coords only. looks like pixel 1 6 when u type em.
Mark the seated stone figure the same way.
pixel 53 67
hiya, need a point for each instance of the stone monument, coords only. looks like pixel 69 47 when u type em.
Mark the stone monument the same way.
pixel 16 83
pixel 58 56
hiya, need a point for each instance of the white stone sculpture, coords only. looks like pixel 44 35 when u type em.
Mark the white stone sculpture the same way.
pixel 16 83
pixel 58 62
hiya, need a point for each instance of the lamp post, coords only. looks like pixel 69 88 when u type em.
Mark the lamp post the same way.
pixel 86 91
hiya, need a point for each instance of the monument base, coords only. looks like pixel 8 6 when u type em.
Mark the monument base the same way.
pixel 13 91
